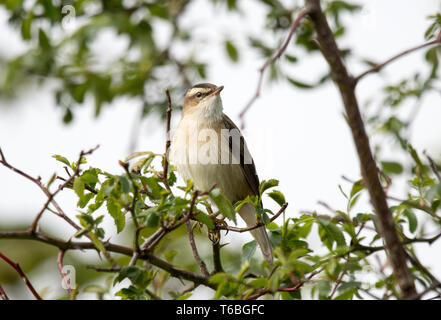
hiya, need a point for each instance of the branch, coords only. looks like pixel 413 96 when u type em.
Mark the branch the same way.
pixel 380 66
pixel 260 224
pixel 433 165
pixel 3 294
pixel 110 247
pixel 64 275
pixel 37 181
pixel 22 275
pixel 51 196
pixel 167 142
pixel 289 289
pixel 194 249
pixel 346 86
pixel 295 24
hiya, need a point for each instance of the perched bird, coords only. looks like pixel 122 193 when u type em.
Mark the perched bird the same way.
pixel 208 149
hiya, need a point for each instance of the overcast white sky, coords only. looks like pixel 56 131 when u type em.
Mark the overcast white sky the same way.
pixel 298 137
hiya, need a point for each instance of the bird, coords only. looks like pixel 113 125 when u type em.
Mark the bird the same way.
pixel 209 149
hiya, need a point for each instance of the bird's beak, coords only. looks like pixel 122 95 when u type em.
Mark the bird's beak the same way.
pixel 217 91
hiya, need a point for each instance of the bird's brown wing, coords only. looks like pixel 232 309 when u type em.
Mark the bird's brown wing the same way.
pixel 248 169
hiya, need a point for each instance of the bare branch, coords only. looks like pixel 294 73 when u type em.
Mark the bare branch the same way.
pixel 3 294
pixel 25 279
pixel 194 249
pixel 63 274
pixel 167 142
pixel 295 24
pixel 110 247
pixel 433 166
pixel 369 170
pixel 380 66
pixel 51 199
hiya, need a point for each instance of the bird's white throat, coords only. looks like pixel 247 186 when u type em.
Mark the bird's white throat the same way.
pixel 208 111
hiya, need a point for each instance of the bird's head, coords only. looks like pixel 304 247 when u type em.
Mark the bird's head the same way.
pixel 203 99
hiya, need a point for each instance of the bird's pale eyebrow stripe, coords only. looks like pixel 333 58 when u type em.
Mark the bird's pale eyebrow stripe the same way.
pixel 193 91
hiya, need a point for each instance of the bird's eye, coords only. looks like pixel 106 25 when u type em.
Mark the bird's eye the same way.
pixel 199 94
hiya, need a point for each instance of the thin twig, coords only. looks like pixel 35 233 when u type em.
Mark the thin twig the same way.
pixel 337 283
pixel 295 24
pixel 194 249
pixel 290 289
pixel 110 247
pixel 37 181
pixel 433 166
pixel 132 210
pixel 395 57
pixel 260 224
pixel 167 142
pixel 23 276
pixel 152 295
pixel 63 274
pixel 3 294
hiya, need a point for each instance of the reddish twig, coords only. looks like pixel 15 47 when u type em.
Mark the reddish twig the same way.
pixel 295 24
pixel 25 279
pixel 51 199
pixel 3 294
pixel 194 249
pixel 240 230
pixel 64 275
pixel 291 289
pixel 380 66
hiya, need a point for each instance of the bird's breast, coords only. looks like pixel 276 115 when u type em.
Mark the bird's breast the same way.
pixel 202 154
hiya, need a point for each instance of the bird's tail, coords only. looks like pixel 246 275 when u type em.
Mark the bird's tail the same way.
pixel 248 214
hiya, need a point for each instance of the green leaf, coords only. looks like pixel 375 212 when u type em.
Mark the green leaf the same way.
pixel 248 250
pixel 324 288
pixel 68 116
pixel 232 51
pixel 333 232
pixel 90 177
pixel 152 220
pixel 412 219
pixel 278 197
pixel 26 27
pixel 43 40
pixel 300 84
pixel 391 167
pixel 185 296
pixel 138 154
pixel 205 219
pixel 267 184
pixel 78 187
pixel 125 184
pixel 85 200
pixel 117 214
pixel 356 187
pixel 223 204
pixel 61 159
